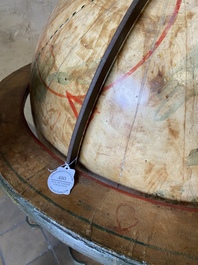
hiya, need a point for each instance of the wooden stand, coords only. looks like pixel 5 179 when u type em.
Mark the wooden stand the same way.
pixel 110 226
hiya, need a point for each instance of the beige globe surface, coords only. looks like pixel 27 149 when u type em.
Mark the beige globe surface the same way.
pixel 144 132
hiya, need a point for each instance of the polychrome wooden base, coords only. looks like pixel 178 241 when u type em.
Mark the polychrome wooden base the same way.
pixel 111 226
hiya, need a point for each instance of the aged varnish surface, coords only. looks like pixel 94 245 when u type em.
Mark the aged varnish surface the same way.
pixel 143 133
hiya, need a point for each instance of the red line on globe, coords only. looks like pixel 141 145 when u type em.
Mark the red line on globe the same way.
pixel 148 55
pixel 79 99
pixel 71 98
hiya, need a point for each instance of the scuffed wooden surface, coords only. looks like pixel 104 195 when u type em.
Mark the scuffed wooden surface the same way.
pixel 121 227
pixel 143 134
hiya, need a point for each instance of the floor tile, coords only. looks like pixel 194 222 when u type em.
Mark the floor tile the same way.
pixel 22 244
pixel 2 194
pixel 50 238
pixel 1 258
pixel 10 215
pixel 46 259
pixel 63 255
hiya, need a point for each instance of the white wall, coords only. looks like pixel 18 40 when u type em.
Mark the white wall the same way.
pixel 21 22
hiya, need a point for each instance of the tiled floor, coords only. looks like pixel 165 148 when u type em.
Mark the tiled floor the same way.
pixel 20 244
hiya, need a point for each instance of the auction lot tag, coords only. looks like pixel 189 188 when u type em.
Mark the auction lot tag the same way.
pixel 61 180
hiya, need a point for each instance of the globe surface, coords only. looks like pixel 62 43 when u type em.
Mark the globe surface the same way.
pixel 143 133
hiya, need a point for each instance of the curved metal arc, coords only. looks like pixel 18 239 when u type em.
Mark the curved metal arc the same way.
pixel 100 77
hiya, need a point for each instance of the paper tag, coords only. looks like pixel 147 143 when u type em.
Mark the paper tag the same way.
pixel 61 180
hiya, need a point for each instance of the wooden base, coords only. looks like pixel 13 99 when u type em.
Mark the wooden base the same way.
pixel 106 224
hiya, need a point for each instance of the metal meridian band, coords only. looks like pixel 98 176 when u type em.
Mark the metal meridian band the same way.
pixel 100 77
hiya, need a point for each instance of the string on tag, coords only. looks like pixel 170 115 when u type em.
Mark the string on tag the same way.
pixel 61 179
pixel 71 162
pixel 65 165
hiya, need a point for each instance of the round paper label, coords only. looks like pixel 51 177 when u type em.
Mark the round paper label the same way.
pixel 61 180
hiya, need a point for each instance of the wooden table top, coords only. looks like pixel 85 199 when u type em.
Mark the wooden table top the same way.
pixel 109 225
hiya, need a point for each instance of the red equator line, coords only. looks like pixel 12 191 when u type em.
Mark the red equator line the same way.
pixel 79 99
